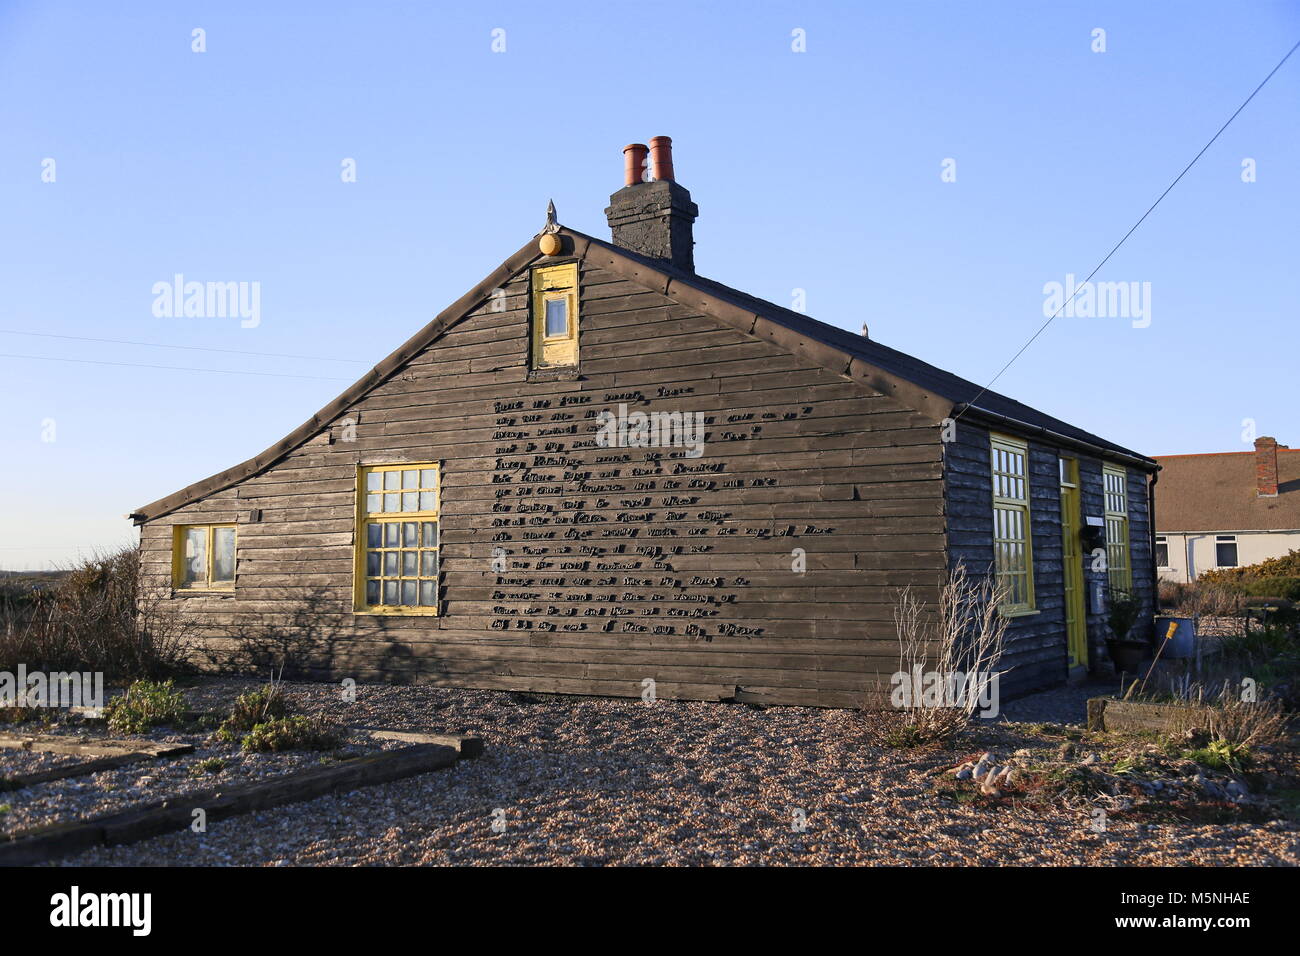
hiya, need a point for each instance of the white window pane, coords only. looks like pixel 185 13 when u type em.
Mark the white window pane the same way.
pixel 392 503
pixel 392 480
pixel 408 593
pixel 374 481
pixel 429 478
pixel 223 555
pixel 374 504
pixel 196 556
pixel 411 478
pixel 410 501
pixel 557 317
pixel 428 501
pixel 390 592
pixel 428 593
pixel 391 531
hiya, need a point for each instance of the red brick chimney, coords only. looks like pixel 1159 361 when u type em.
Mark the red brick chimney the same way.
pixel 1266 466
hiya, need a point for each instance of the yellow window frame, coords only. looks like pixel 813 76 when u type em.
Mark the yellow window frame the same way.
pixel 371 591
pixel 1119 571
pixel 555 284
pixel 179 534
pixel 1013 548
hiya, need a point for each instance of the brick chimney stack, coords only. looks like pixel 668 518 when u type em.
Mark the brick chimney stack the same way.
pixel 654 216
pixel 1266 466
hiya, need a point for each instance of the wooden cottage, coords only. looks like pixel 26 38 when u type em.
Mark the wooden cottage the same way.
pixel 598 468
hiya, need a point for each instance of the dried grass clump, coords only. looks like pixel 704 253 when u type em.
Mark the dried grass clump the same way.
pixel 96 619
pixel 964 635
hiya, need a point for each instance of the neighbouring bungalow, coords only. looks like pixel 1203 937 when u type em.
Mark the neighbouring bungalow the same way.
pixel 598 469
pixel 1227 510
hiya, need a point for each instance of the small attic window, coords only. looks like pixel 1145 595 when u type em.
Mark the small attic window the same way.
pixel 555 315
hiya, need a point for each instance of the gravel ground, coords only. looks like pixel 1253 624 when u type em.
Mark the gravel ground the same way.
pixel 111 790
pixel 590 781
pixel 19 762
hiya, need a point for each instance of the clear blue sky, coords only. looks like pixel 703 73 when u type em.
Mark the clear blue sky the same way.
pixel 817 170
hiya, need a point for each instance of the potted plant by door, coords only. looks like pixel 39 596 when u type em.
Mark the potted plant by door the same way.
pixel 1126 652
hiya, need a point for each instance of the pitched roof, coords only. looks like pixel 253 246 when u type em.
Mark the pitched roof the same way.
pixel 915 383
pixel 955 389
pixel 1218 493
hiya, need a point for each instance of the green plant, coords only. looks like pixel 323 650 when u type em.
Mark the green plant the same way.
pixel 145 704
pixel 292 733
pixel 1221 754
pixel 209 765
pixel 1286 566
pixel 4 808
pixel 1287 587
pixel 19 715
pixel 1258 645
pixel 1123 614
pixel 255 707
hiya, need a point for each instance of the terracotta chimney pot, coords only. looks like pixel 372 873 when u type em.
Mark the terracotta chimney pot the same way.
pixel 661 158
pixel 634 162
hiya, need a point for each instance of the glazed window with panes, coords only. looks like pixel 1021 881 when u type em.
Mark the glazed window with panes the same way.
pixel 1115 490
pixel 203 557
pixel 1012 549
pixel 555 315
pixel 397 559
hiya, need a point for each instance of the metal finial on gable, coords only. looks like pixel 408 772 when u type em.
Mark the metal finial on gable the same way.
pixel 551 226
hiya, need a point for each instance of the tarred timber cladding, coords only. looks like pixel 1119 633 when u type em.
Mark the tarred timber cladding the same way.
pixel 702 597
pixel 1036 655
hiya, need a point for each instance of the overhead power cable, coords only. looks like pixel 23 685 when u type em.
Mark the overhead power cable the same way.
pixel 188 348
pixel 1132 229
pixel 172 368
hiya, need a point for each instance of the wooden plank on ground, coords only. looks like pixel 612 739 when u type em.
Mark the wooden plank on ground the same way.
pixel 177 813
pixel 91 746
pixel 468 747
pixel 85 768
pixel 1137 716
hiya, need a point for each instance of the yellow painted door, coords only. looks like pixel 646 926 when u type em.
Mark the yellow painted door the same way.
pixel 1076 628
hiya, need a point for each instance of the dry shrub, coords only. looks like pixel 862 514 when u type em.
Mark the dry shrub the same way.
pixel 1247 724
pixel 97 619
pixel 964 635
pixel 1208 599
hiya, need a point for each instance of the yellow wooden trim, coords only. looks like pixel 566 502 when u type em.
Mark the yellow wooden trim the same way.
pixel 1007 445
pixel 366 517
pixel 555 284
pixel 1119 574
pixel 178 557
pixel 1075 608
